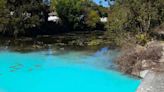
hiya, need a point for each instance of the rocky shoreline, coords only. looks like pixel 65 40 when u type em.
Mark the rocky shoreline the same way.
pixel 153 79
pixel 142 59
pixel 152 82
pixel 147 63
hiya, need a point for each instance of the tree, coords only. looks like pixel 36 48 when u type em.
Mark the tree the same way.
pixel 53 4
pixel 21 16
pixel 134 17
pixel 92 18
pixel 109 2
pixel 2 4
pixel 77 14
pixel 3 16
pixel 70 12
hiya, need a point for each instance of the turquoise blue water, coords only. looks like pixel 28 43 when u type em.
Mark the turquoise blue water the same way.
pixel 71 71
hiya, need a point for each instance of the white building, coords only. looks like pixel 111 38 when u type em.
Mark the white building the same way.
pixel 104 19
pixel 53 17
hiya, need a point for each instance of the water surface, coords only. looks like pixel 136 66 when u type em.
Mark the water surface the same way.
pixel 71 71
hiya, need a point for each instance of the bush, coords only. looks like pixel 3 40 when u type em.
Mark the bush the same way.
pixel 92 19
pixel 142 39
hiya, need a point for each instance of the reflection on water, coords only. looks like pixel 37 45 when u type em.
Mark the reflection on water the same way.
pixel 71 71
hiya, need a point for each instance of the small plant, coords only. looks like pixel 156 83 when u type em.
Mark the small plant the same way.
pixel 142 39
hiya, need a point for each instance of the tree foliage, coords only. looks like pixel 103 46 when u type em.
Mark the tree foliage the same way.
pixel 3 15
pixel 70 12
pixel 77 14
pixel 134 17
pixel 18 16
pixel 92 19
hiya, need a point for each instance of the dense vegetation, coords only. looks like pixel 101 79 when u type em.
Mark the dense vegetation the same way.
pixel 134 20
pixel 130 21
pixel 18 17
pixel 132 25
pixel 78 14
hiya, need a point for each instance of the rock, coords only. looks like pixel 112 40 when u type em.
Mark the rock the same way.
pixel 61 44
pixel 37 46
pixel 140 74
pixel 161 60
pixel 145 64
pixel 143 73
pixel 94 42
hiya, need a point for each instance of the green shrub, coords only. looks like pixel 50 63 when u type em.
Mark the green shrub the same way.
pixel 92 18
pixel 142 39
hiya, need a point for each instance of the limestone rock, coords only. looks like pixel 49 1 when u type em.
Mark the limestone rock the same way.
pixel 143 73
